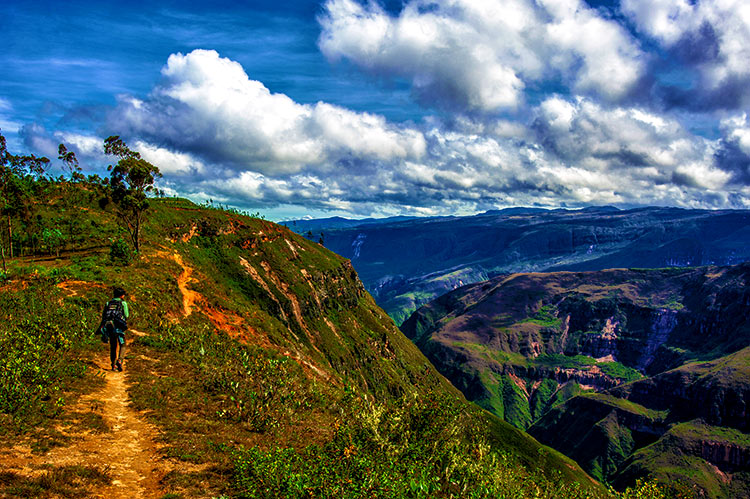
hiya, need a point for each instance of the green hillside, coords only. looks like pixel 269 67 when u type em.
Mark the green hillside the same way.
pixel 686 425
pixel 257 367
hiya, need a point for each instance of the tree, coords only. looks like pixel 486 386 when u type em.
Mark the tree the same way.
pixel 131 179
pixel 16 173
pixel 53 239
pixel 71 162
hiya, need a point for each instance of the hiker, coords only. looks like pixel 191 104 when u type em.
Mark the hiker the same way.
pixel 113 326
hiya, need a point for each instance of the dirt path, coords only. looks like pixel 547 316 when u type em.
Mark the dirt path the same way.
pixel 128 451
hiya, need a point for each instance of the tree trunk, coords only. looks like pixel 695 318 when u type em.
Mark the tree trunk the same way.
pixel 137 236
pixel 10 237
pixel 137 233
pixel 2 252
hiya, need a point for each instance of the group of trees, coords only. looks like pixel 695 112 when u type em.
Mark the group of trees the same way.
pixel 23 178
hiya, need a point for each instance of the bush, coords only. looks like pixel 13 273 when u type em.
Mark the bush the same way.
pixel 37 336
pixel 418 447
pixel 258 387
pixel 120 252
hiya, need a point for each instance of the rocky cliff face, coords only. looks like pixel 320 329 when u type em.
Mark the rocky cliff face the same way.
pixel 599 356
pixel 717 392
pixel 697 415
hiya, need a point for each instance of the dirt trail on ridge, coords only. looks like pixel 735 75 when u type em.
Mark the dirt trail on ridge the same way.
pixel 128 451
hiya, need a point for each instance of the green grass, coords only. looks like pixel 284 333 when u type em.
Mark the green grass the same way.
pixel 619 371
pixel 544 317
pixel 66 481
pixel 564 361
pixel 379 452
pixel 39 341
pixel 626 405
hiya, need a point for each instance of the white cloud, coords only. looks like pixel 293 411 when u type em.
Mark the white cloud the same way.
pixel 207 104
pixel 737 129
pixel 628 150
pixel 169 162
pixel 216 133
pixel 87 145
pixel 7 124
pixel 481 55
pixel 719 25
pixel 611 62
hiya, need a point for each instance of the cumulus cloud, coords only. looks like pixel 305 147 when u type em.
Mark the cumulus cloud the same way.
pixel 733 152
pixel 480 56
pixel 88 148
pixel 711 37
pixel 37 138
pixel 208 105
pixel 633 146
pixel 216 133
pixel 6 123
pixel 169 162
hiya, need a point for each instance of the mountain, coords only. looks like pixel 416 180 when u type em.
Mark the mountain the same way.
pixel 315 225
pixel 406 263
pixel 257 366
pixel 688 425
pixel 610 367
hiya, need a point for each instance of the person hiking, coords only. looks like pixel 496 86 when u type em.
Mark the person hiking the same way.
pixel 113 326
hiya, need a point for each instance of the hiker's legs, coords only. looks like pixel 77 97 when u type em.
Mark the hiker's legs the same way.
pixel 112 349
pixel 122 352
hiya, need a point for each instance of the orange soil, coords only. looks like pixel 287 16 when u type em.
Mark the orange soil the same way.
pixel 72 287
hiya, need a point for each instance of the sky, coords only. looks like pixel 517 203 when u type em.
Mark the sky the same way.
pixel 367 108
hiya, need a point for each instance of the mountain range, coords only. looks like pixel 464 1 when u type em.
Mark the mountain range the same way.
pixel 405 263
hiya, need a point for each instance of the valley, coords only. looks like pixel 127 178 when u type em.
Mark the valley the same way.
pixel 633 373
pixel 405 263
pixel 262 368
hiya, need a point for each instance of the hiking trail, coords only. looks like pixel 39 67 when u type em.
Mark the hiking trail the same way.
pixel 128 451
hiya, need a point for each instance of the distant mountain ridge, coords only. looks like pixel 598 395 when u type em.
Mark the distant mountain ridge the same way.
pixel 406 262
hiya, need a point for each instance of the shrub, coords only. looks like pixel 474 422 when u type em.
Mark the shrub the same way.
pixel 120 252
pixel 37 336
pixel 417 447
pixel 257 387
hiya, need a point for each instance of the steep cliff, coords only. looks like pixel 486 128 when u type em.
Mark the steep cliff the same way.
pixel 600 364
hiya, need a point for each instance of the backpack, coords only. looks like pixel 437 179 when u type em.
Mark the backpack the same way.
pixel 113 317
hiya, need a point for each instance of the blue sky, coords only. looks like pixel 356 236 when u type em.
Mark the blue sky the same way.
pixel 342 107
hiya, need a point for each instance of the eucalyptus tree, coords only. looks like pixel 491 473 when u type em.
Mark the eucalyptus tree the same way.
pixel 130 182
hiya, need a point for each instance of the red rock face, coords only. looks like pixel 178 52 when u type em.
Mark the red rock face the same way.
pixel 725 455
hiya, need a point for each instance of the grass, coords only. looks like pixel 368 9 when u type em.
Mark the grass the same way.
pixel 627 405
pixel 566 362
pixel 619 371
pixel 545 317
pixel 65 481
pixel 40 343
